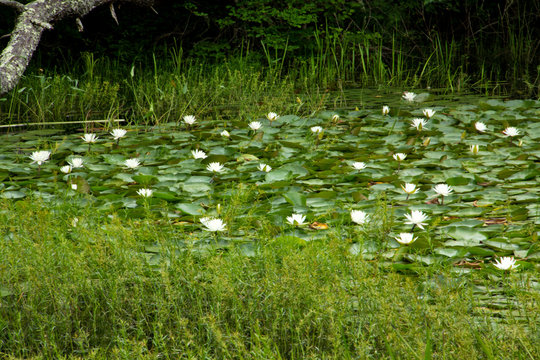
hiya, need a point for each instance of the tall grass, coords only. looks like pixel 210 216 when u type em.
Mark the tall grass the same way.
pixel 170 85
pixel 168 90
pixel 88 291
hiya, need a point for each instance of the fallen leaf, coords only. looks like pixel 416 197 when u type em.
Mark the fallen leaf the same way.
pixel 475 265
pixel 318 226
pixel 493 221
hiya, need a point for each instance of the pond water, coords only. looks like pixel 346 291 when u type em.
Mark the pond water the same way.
pixel 493 209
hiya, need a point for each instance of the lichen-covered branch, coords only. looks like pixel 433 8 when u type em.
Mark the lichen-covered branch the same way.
pixel 33 19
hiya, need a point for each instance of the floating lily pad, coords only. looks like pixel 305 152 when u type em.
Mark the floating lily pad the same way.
pixel 466 234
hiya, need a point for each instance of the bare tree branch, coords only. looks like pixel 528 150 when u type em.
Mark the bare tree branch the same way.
pixel 33 19
pixel 113 13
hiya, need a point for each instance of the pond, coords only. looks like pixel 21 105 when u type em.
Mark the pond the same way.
pixel 320 167
pixel 359 175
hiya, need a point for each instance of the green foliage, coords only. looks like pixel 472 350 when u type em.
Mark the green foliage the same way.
pixel 92 290
pixel 448 43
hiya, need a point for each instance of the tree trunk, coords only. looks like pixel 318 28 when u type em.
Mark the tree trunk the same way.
pixel 33 19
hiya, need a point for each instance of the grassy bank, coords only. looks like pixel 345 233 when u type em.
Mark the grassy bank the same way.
pixel 89 290
pixel 168 84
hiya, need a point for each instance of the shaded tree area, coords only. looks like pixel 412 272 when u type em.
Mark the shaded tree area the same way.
pixel 501 37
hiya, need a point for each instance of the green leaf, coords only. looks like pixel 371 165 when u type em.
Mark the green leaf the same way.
pixel 82 184
pixel 5 291
pixel 13 194
pixel 450 252
pixel 290 241
pixel 458 180
pixel 295 198
pixel 197 188
pixel 466 234
pixel 145 180
pixel 167 196
pixel 191 209
pixel 278 175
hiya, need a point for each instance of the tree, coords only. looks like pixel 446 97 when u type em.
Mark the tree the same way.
pixel 34 18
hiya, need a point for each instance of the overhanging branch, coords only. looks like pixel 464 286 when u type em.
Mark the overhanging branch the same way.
pixel 33 19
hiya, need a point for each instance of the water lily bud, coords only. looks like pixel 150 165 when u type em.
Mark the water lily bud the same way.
pixel 429 113
pixel 190 119
pixel 66 169
pixel 418 123
pixel 408 96
pixel 271 116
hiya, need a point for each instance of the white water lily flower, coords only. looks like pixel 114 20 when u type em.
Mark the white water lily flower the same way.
pixel 204 219
pixel 409 188
pixel 271 116
pixel 214 167
pixel 118 133
pixel 358 216
pixel 265 168
pixel 385 110
pixel 40 157
pixel 335 117
pixel 189 119
pixel 255 125
pixel 442 189
pixel 225 133
pixel 419 123
pixel 89 138
pixel 505 263
pixel 316 129
pixel 296 219
pixel 417 218
pixel 511 131
pixel 480 126
pixel 429 113
pixel 66 169
pixel 76 162
pixel 405 238
pixel 145 192
pixel 213 224
pixel 408 96
pixel 358 165
pixel 475 149
pixel 399 156
pixel 198 154
pixel 132 163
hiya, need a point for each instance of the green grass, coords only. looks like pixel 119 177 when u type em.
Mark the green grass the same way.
pixel 89 291
pixel 163 93
pixel 169 84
